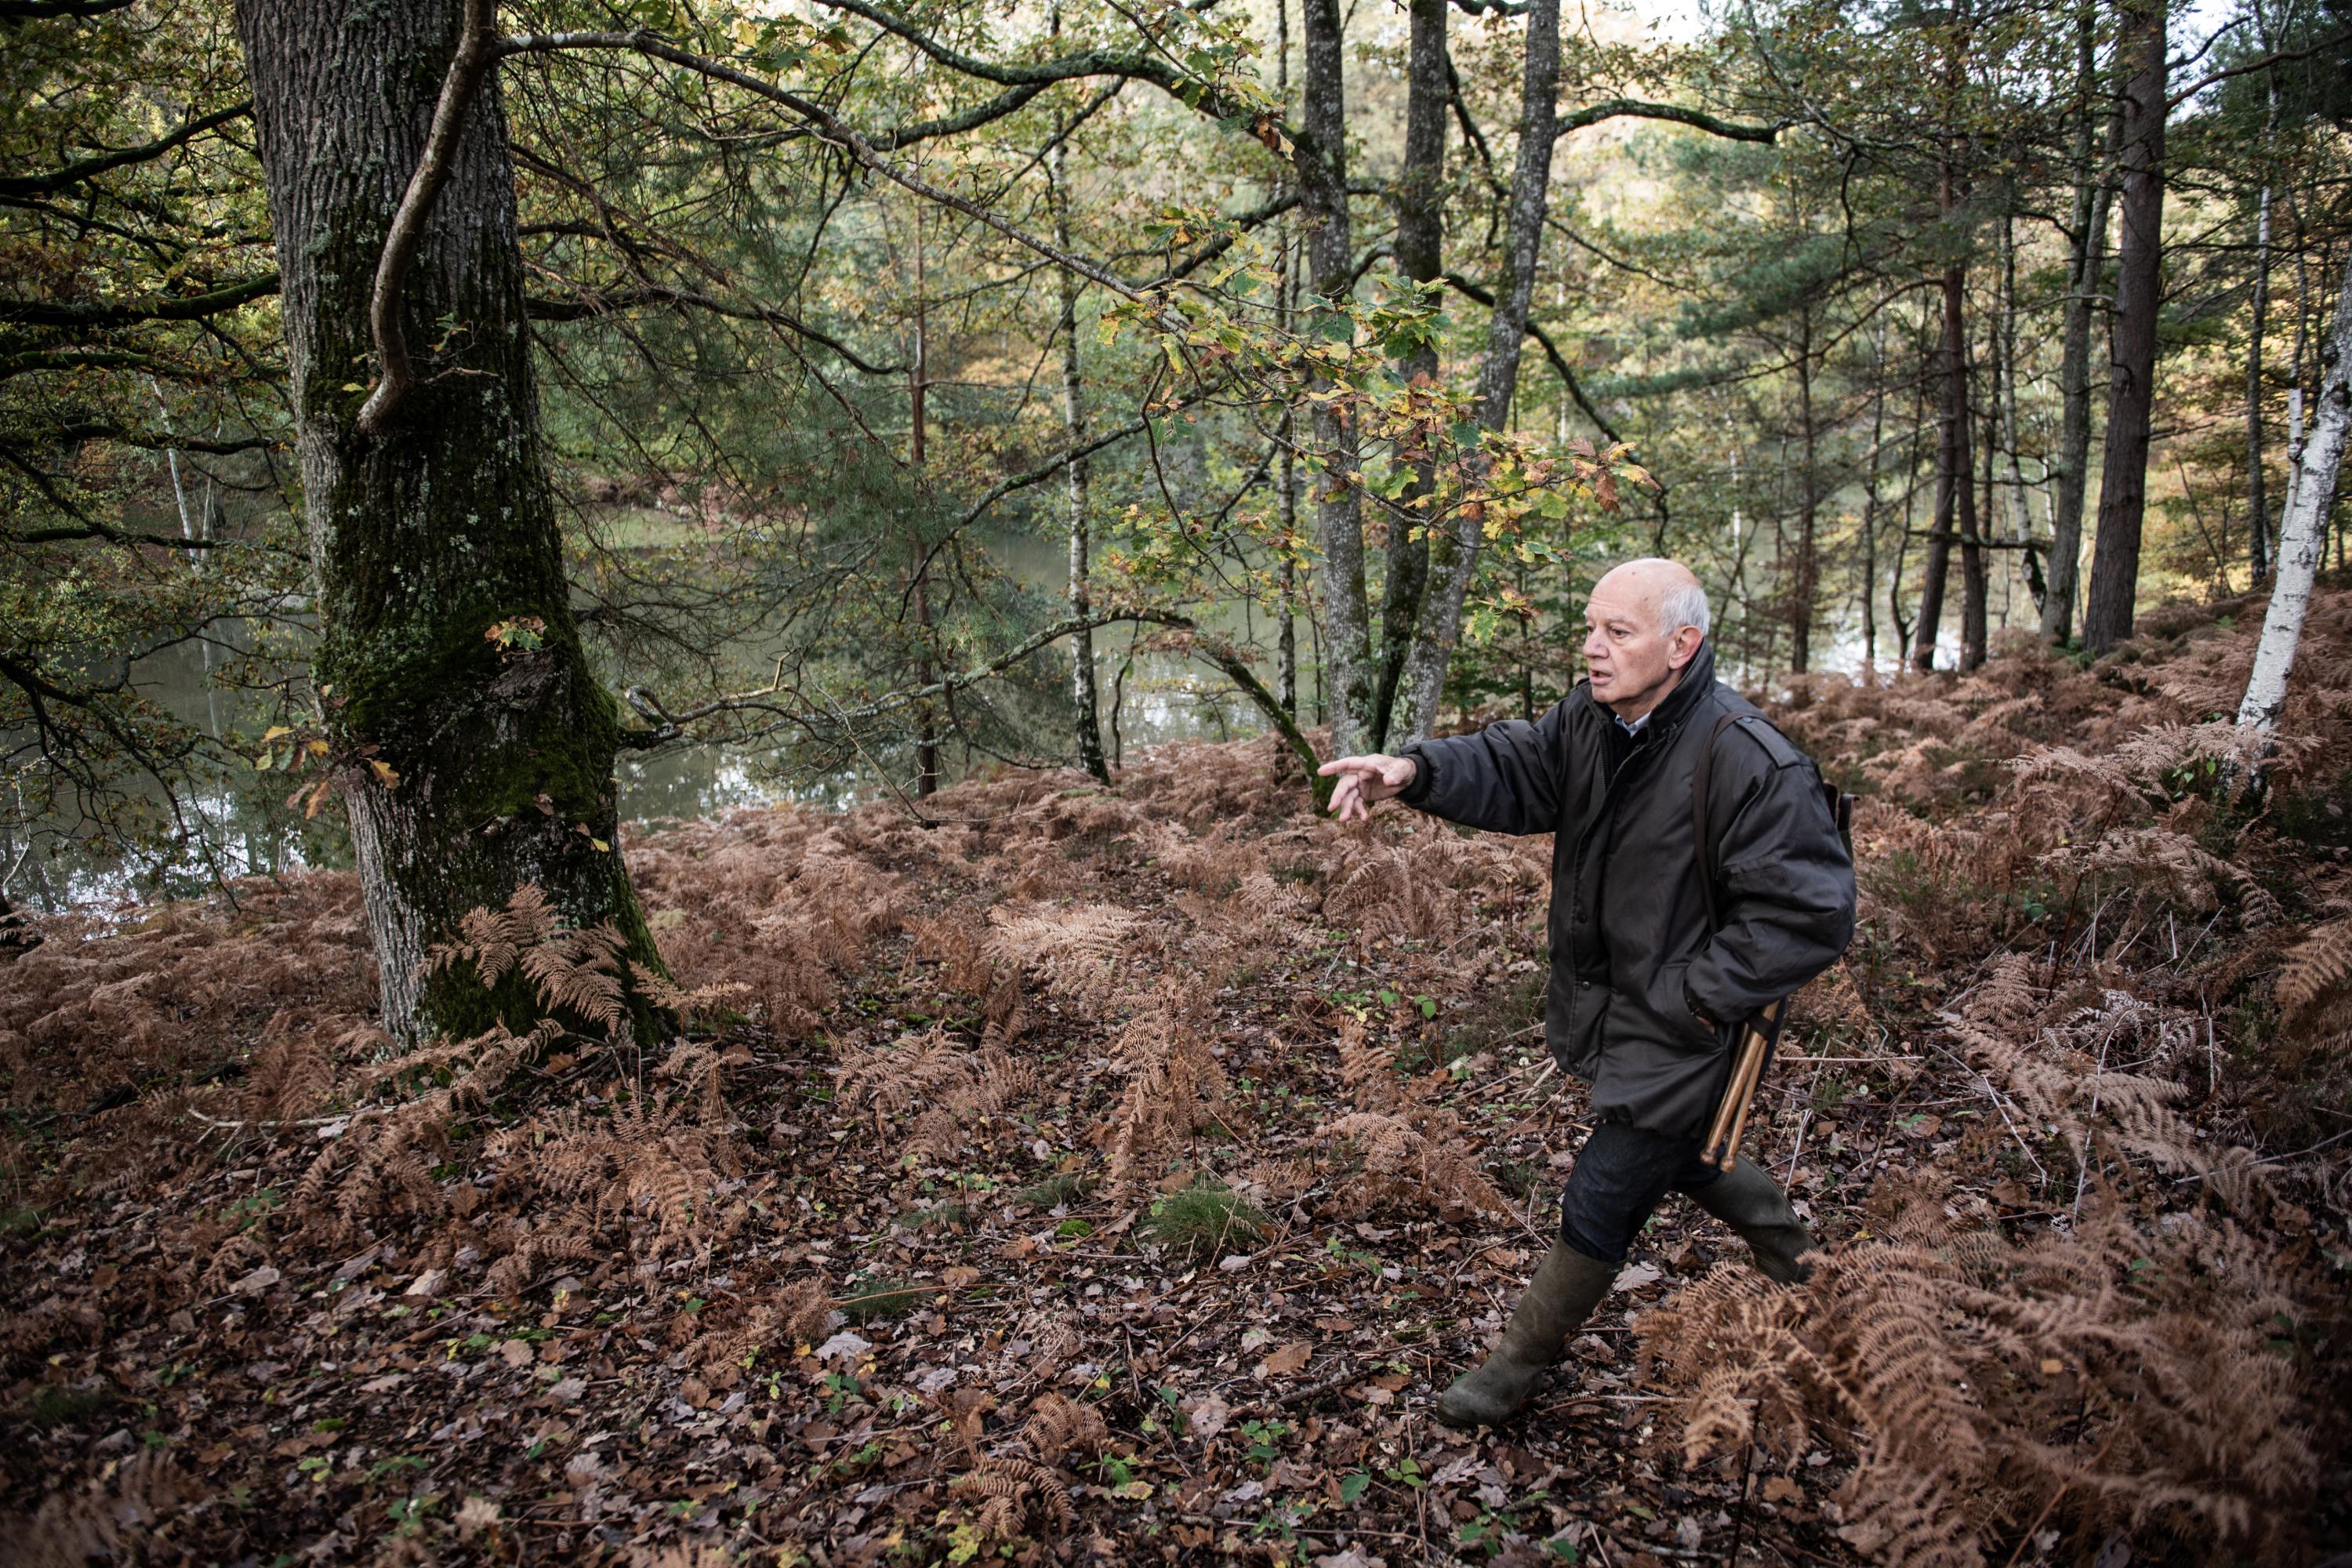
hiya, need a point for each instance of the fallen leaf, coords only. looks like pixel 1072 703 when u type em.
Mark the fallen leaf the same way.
pixel 1206 1416
pixel 254 1283
pixel 1635 1277
pixel 1290 1359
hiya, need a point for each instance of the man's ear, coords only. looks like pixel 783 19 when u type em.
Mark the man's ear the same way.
pixel 1683 647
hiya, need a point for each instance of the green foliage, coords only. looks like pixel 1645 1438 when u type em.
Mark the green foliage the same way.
pixel 1204 1220
pixel 871 1299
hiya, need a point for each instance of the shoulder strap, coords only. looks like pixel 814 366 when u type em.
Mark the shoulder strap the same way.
pixel 1699 772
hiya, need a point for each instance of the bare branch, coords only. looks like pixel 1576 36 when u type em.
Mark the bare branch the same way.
pixel 1638 108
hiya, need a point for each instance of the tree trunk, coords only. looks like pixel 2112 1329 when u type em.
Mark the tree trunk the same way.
pixel 1800 596
pixel 2123 477
pixel 1972 524
pixel 2086 264
pixel 1454 545
pixel 1869 502
pixel 1351 680
pixel 1952 466
pixel 2021 514
pixel 918 385
pixel 1285 289
pixel 429 541
pixel 1074 427
pixel 1420 253
pixel 2257 506
pixel 2303 530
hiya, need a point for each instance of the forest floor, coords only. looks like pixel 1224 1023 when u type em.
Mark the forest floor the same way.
pixel 1116 1175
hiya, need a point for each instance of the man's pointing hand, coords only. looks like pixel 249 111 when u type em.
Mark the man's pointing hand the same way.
pixel 1363 780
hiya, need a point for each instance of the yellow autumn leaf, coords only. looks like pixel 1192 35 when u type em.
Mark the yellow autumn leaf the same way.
pixel 385 773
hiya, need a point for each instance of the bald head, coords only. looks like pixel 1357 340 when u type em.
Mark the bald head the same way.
pixel 1666 591
pixel 1644 622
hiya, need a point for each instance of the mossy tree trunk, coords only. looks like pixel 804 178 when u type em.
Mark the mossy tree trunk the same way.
pixel 427 540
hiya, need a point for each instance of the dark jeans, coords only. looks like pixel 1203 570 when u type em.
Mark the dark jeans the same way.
pixel 1620 1175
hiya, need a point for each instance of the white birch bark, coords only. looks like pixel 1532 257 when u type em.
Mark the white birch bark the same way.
pixel 2302 531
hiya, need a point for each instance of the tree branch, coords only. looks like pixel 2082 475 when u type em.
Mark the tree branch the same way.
pixel 186 307
pixel 84 359
pixel 48 10
pixel 1638 108
pixel 100 430
pixel 836 130
pixel 62 534
pixel 1481 295
pixel 478 50
pixel 2281 57
pixel 98 163
pixel 587 307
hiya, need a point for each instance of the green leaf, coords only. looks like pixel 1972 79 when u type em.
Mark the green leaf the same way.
pixel 1354 1485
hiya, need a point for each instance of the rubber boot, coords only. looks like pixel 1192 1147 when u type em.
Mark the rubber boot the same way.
pixel 1752 1204
pixel 1566 1287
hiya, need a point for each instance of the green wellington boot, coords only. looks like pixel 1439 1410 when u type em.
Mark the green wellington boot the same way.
pixel 1752 1204
pixel 1566 1287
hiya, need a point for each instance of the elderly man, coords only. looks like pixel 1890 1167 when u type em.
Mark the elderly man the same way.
pixel 1647 993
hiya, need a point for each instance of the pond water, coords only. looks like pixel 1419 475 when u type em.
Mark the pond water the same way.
pixel 237 826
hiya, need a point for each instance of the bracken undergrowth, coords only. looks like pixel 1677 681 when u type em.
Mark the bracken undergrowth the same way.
pixel 1113 1175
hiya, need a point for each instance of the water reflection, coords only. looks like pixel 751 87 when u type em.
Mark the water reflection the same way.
pixel 236 823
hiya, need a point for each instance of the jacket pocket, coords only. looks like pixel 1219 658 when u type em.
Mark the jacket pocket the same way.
pixel 1682 1028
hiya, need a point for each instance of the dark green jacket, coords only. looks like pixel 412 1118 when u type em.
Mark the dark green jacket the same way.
pixel 1634 963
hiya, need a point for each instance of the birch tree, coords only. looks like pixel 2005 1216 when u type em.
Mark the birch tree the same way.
pixel 2302 531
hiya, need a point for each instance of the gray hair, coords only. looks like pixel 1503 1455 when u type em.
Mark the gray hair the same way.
pixel 1679 605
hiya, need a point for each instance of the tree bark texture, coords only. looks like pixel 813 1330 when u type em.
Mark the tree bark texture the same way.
pixel 1351 678
pixel 1977 514
pixel 425 538
pixel 1454 547
pixel 1800 589
pixel 1953 492
pixel 2257 504
pixel 2122 475
pixel 2303 530
pixel 1420 253
pixel 2094 190
pixel 1074 423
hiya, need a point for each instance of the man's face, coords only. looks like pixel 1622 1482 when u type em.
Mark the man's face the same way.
pixel 1632 661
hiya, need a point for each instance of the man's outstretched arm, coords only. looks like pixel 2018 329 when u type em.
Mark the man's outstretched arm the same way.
pixel 1505 778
